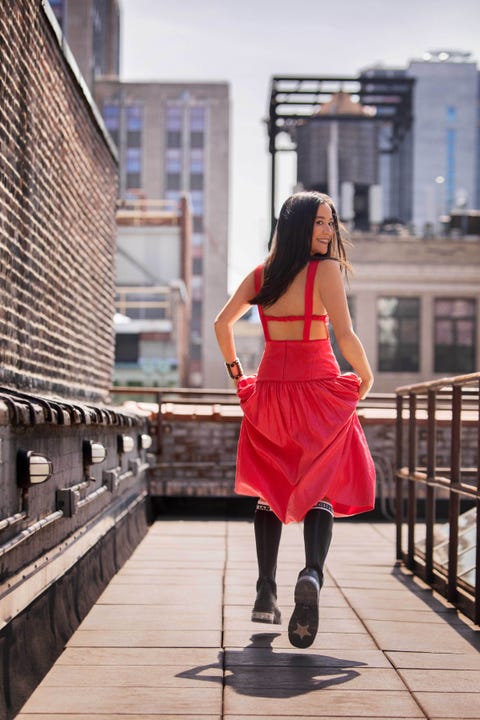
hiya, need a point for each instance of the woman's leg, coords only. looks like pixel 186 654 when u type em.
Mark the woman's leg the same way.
pixel 268 530
pixel 317 533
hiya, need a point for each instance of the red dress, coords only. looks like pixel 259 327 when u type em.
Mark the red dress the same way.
pixel 300 439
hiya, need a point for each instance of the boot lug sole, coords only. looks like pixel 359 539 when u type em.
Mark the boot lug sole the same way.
pixel 305 614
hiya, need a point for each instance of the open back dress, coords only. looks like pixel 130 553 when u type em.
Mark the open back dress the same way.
pixel 301 440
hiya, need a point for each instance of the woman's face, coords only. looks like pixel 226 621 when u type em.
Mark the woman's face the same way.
pixel 323 229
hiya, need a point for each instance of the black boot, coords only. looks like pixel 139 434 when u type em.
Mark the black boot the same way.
pixel 317 533
pixel 268 530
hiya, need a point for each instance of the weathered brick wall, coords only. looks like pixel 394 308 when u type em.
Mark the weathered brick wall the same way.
pixel 58 182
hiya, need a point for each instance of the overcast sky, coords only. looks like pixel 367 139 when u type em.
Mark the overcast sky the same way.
pixel 245 43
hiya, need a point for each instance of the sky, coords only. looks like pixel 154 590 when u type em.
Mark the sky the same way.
pixel 246 43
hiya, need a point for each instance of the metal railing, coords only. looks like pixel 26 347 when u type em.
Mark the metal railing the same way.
pixel 420 409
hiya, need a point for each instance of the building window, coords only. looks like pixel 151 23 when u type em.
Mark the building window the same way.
pixel 134 168
pixel 197 266
pixel 196 321
pixel 126 348
pixel 172 195
pixel 455 336
pixel 197 202
pixel 398 334
pixel 196 169
pixel 197 127
pixel 134 126
pixel 58 7
pixel 174 126
pixel 111 118
pixel 174 169
pixel 450 171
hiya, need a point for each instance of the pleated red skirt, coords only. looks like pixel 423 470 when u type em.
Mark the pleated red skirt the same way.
pixel 300 439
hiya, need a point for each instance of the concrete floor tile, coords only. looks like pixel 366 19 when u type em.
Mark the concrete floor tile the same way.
pixel 116 716
pixel 461 706
pixel 416 636
pixel 134 638
pixel 141 700
pixel 469 660
pixel 131 656
pixel 318 703
pixel 154 617
pixel 457 681
pixel 171 676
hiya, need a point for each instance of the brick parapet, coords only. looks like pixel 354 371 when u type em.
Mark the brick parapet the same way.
pixel 57 218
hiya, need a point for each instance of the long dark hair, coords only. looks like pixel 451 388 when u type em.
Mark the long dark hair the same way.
pixel 292 242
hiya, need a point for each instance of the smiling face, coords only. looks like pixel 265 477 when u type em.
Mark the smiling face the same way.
pixel 323 230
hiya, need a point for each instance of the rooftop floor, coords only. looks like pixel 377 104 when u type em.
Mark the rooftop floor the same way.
pixel 171 637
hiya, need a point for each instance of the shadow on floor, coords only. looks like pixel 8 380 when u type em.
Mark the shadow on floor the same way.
pixel 259 671
pixel 448 613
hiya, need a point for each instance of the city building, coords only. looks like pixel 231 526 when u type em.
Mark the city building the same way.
pixel 446 146
pixel 92 30
pixel 172 139
pixel 153 293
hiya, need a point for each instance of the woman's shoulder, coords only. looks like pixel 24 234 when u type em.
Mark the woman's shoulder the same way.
pixel 327 264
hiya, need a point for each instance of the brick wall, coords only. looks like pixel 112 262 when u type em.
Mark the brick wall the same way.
pixel 58 180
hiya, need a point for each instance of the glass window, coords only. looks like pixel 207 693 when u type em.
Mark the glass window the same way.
pixel 172 195
pixel 134 160
pixel 173 181
pixel 111 118
pixel 398 334
pixel 196 160
pixel 455 336
pixel 174 117
pixel 174 160
pixel 126 348
pixel 134 117
pixel 451 113
pixel 59 11
pixel 197 266
pixel 197 202
pixel 197 127
pixel 197 118
pixel 197 226
pixel 196 322
pixel 174 126
pixel 196 181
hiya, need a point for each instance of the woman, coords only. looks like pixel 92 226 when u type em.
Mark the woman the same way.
pixel 301 448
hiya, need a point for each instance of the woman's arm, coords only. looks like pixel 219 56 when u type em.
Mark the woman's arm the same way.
pixel 332 292
pixel 237 306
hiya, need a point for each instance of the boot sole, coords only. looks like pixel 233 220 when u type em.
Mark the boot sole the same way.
pixel 266 617
pixel 303 625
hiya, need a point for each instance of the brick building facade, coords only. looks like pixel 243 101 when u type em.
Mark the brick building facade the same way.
pixel 57 218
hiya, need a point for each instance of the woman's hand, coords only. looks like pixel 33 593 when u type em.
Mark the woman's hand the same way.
pixel 364 387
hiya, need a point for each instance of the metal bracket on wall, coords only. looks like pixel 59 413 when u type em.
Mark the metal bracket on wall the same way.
pixel 67 500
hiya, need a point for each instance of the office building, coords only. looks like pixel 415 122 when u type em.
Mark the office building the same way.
pixel 173 138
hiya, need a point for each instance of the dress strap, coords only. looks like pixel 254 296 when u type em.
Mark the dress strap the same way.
pixel 258 285
pixel 309 285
